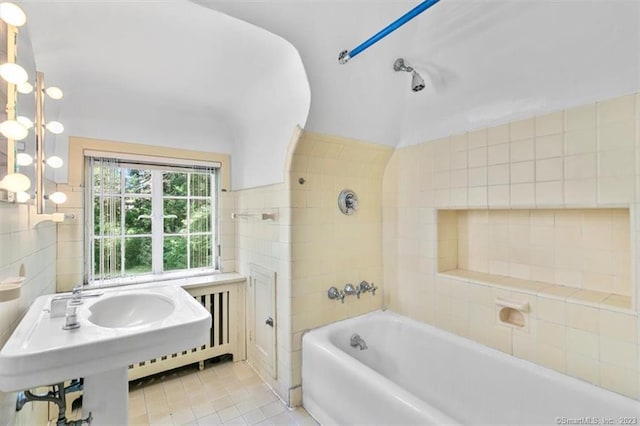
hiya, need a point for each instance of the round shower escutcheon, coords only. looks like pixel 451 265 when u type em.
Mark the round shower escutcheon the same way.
pixel 348 202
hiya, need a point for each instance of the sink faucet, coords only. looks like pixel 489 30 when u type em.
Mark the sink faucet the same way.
pixel 357 342
pixel 59 303
pixel 71 318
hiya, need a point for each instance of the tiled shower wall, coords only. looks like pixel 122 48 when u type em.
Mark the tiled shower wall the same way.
pixel 33 250
pixel 311 245
pixel 584 157
pixel 329 248
pixel 581 248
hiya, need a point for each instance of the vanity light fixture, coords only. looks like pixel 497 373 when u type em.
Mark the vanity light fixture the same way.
pixel 18 129
pixel 23 159
pixel 54 127
pixel 25 121
pixel 15 182
pixel 25 88
pixel 13 73
pixel 54 162
pixel 12 129
pixel 12 14
pixel 22 197
pixel 54 93
pixel 57 197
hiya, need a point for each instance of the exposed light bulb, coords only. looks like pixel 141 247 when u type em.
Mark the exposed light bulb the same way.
pixel 23 159
pixel 54 127
pixel 13 73
pixel 25 121
pixel 54 162
pixel 12 14
pixel 57 197
pixel 12 129
pixel 22 197
pixel 54 92
pixel 15 182
pixel 25 88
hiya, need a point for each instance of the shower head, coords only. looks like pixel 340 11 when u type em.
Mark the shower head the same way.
pixel 417 83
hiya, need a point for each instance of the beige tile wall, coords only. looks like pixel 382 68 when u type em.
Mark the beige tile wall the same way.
pixel 34 251
pixel 70 237
pixel 582 248
pixel 577 158
pixel 311 245
pixel 327 247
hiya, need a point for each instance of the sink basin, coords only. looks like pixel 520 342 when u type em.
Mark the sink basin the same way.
pixel 130 310
pixel 118 328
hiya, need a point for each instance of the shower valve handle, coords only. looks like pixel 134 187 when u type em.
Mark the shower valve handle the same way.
pixel 350 290
pixel 373 289
pixel 334 293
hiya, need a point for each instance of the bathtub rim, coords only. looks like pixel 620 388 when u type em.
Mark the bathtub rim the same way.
pixel 321 340
pixel 573 383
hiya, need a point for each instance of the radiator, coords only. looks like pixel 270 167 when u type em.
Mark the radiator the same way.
pixel 225 302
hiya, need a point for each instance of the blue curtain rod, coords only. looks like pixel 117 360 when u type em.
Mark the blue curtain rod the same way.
pixel 345 55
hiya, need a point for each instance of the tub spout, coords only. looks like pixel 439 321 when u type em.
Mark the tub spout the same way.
pixel 358 342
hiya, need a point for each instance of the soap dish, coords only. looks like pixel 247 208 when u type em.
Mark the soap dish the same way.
pixel 10 288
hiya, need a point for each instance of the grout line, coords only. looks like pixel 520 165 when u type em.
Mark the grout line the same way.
pixel 180 376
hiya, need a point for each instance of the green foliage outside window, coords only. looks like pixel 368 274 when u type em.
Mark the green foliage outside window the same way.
pixel 186 228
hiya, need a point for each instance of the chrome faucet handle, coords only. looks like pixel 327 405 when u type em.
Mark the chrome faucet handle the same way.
pixel 334 293
pixel 373 289
pixel 350 290
pixel 76 296
pixel 365 286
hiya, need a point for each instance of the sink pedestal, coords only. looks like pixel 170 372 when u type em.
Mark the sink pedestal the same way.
pixel 106 397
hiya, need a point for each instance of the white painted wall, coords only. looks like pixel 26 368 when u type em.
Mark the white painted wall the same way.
pixel 138 71
pixel 171 74
pixel 493 62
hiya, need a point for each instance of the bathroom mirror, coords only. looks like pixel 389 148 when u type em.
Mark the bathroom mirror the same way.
pixel 6 148
pixel 26 107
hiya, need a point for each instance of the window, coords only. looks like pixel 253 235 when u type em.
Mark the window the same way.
pixel 146 218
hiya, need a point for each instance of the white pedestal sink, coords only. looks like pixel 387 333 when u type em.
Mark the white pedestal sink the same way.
pixel 118 328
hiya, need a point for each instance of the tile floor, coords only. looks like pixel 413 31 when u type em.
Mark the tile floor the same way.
pixel 222 393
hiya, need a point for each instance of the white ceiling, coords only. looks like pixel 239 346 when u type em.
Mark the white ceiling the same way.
pixel 485 61
pixel 140 70
pixel 172 73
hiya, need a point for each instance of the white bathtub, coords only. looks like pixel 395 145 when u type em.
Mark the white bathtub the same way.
pixel 413 373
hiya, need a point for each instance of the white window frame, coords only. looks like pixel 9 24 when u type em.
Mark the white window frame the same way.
pixel 157 220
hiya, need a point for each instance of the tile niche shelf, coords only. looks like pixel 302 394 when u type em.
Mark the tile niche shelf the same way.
pixel 579 255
